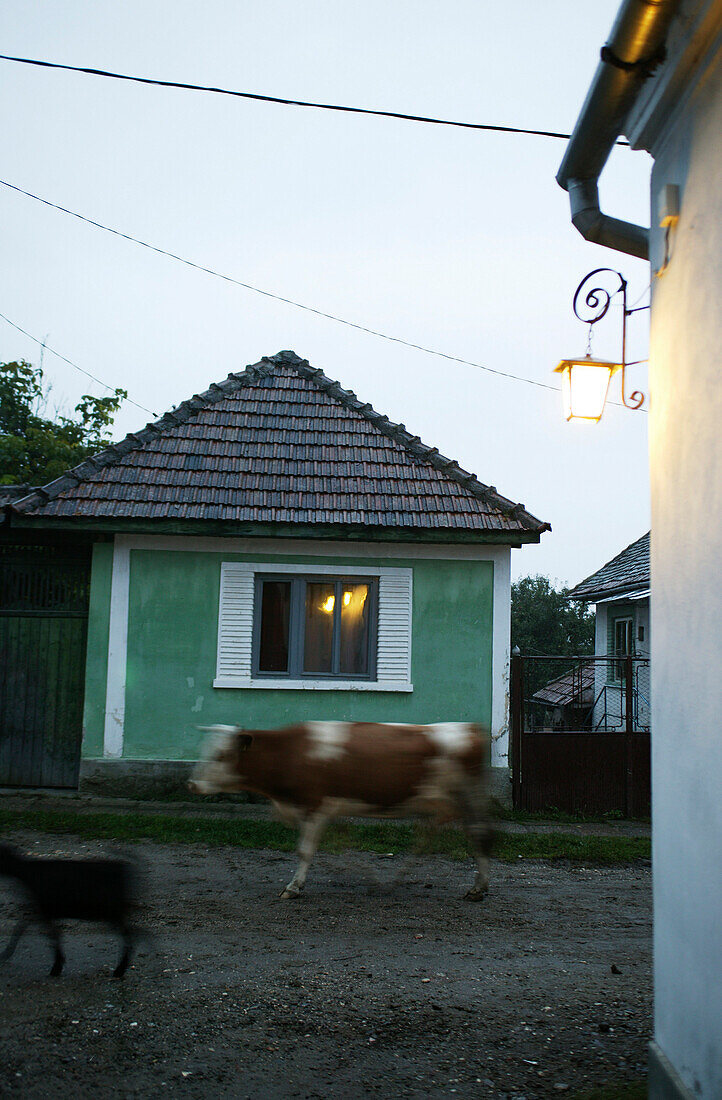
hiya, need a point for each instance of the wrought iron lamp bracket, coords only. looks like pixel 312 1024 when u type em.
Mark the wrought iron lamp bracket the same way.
pixel 594 307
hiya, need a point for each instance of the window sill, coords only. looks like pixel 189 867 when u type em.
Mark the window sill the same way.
pixel 310 685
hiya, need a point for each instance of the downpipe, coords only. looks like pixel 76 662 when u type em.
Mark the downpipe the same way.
pixel 632 54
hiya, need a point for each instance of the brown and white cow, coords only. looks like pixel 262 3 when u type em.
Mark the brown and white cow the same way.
pixel 315 771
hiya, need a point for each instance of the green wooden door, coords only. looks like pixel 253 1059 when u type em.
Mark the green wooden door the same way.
pixel 43 630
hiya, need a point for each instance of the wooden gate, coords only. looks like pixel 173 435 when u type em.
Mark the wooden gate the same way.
pixel 43 630
pixel 598 769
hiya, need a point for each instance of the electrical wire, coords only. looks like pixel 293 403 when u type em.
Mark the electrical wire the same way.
pixel 278 297
pixel 286 102
pixel 70 363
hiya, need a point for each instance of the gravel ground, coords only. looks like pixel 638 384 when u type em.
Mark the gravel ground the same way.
pixel 401 991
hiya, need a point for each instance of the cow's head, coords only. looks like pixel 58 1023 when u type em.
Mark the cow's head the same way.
pixel 220 768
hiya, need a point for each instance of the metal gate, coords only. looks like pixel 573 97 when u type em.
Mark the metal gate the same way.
pixel 581 734
pixel 43 631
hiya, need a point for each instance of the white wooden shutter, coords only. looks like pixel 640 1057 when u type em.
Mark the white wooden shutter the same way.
pixel 235 625
pixel 393 661
pixel 235 628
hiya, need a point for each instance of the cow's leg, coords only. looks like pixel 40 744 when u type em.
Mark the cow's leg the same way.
pixel 311 828
pixel 58 956
pixel 20 927
pixel 405 863
pixel 474 806
pixel 127 936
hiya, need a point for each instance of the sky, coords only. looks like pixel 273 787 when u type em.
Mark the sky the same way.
pixel 457 240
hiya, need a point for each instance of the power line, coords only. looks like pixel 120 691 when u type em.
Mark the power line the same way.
pixel 286 102
pixel 278 297
pixel 70 363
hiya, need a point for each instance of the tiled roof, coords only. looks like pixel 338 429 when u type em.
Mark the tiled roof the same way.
pixel 575 686
pixel 280 443
pixel 625 574
pixel 9 493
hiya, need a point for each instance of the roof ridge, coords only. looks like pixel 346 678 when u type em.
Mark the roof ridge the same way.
pixel 613 584
pixel 218 391
pixel 178 414
pixel 411 443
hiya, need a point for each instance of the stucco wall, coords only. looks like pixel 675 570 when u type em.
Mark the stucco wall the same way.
pixel 686 554
pixel 160 684
pixel 610 707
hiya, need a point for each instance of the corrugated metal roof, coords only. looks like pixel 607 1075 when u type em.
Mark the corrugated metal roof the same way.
pixel 280 443
pixel 624 575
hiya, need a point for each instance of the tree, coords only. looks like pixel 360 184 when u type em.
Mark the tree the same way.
pixel 35 449
pixel 543 621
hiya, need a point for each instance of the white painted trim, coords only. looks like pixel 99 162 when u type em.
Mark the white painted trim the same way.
pixel 310 685
pixel 117 650
pixel 321 570
pixel 500 643
pixel 328 548
pixel 630 596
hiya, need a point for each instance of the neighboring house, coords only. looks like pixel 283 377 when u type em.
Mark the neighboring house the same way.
pixel 660 85
pixel 566 702
pixel 620 592
pixel 269 551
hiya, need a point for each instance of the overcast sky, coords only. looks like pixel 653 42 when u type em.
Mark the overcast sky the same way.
pixel 454 239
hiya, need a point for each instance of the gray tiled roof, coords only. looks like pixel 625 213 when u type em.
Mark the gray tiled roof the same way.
pixel 575 686
pixel 625 574
pixel 9 493
pixel 280 443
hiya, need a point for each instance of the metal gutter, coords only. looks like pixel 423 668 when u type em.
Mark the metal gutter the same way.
pixel 634 50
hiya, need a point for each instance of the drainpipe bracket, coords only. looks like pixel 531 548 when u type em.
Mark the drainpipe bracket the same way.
pixel 644 68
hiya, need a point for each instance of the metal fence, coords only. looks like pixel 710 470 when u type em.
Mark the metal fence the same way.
pixel 581 733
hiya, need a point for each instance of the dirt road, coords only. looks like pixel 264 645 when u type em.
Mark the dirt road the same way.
pixel 543 990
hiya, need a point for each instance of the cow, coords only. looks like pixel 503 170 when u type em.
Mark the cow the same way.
pixel 84 889
pixel 315 771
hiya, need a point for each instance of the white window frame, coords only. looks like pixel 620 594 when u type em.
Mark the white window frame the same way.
pixel 235 628
pixel 619 672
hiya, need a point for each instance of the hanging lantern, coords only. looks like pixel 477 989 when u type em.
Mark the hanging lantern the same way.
pixel 585 384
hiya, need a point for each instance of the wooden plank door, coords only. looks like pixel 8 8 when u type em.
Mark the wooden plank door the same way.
pixel 43 633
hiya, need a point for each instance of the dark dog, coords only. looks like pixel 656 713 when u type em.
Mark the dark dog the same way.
pixel 83 889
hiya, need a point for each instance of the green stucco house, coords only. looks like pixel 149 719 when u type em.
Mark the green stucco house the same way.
pixel 271 550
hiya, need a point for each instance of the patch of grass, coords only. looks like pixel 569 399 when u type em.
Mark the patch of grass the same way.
pixel 584 849
pixel 164 828
pixel 380 837
pixel 637 1090
pixel 561 816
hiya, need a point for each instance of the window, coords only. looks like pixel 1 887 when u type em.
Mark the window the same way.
pixel 333 627
pixel 623 645
pixel 315 626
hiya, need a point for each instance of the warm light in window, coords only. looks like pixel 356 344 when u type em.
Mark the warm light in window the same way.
pixel 346 599
pixel 328 603
pixel 585 383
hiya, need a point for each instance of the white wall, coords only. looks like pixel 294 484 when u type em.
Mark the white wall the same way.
pixel 686 469
pixel 609 706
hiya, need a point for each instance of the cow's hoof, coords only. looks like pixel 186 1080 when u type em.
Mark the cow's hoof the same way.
pixel 290 892
pixel 476 893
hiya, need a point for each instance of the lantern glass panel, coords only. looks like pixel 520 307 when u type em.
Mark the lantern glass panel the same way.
pixel 589 385
pixel 585 383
